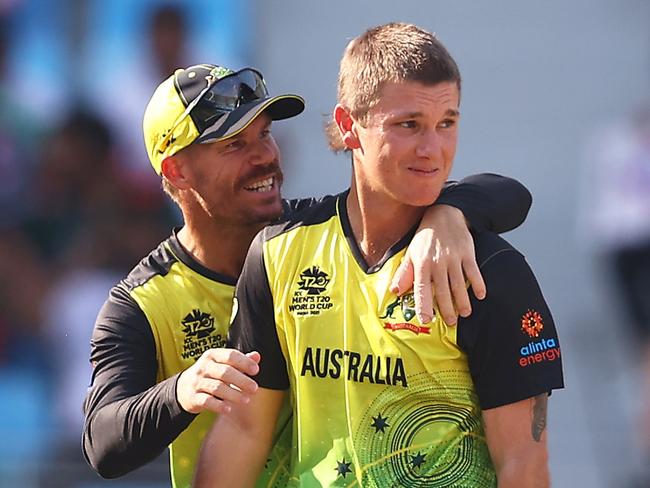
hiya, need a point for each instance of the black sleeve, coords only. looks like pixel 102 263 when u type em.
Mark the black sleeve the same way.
pixel 253 326
pixel 130 419
pixel 510 338
pixel 488 201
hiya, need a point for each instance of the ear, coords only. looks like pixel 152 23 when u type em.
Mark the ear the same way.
pixel 345 123
pixel 173 168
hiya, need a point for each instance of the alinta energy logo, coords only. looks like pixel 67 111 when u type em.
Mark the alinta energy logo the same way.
pixel 406 305
pixel 198 328
pixel 536 351
pixel 309 298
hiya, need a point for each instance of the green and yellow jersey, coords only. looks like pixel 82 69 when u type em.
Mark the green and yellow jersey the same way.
pixel 378 398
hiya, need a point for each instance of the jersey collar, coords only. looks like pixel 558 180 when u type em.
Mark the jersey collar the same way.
pixel 185 257
pixel 354 246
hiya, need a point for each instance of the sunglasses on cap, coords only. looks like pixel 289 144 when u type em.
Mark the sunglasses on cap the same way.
pixel 220 96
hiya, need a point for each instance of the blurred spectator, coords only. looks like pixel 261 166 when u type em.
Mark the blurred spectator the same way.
pixel 91 225
pixel 37 60
pixel 24 357
pixel 617 214
pixel 165 49
pixel 23 287
pixel 74 184
pixel 619 189
pixel 168 39
pixel 84 224
pixel 81 196
pixel 19 135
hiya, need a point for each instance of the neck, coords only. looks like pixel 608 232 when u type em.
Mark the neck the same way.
pixel 219 246
pixel 378 221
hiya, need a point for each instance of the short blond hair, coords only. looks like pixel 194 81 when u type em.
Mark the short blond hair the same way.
pixel 389 53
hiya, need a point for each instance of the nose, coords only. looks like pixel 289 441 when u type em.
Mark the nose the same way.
pixel 428 144
pixel 265 152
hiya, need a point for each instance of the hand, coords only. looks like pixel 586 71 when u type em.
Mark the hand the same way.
pixel 218 379
pixel 437 261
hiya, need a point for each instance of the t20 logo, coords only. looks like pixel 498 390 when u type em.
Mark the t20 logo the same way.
pixel 313 281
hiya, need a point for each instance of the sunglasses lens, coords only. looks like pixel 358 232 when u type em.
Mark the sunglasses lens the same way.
pixel 252 86
pixel 226 95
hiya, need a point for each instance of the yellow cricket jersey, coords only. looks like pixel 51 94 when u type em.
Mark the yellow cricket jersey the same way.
pixel 185 309
pixel 379 399
pixel 188 314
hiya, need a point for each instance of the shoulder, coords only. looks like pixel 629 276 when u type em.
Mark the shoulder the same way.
pixel 157 262
pixel 318 212
pixel 510 338
pixel 502 265
pixel 121 309
pixel 296 205
pixel 512 290
pixel 505 269
pixel 492 247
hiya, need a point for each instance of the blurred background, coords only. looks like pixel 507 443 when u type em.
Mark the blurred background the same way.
pixel 555 94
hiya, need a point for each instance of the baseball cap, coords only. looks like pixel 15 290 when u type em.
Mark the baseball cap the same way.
pixel 208 103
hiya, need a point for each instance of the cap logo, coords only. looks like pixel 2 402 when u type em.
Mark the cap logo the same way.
pixel 216 74
pixel 166 142
pixel 219 72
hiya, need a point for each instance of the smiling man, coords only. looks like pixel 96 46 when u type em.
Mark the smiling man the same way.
pixel 380 398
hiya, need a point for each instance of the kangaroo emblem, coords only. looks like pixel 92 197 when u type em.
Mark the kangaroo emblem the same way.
pixel 406 304
pixel 390 309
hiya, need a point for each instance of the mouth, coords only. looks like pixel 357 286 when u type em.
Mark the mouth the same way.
pixel 423 171
pixel 261 186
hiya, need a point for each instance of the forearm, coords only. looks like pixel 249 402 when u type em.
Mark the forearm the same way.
pixel 489 202
pixel 129 418
pixel 516 438
pixel 123 433
pixel 526 472
pixel 232 456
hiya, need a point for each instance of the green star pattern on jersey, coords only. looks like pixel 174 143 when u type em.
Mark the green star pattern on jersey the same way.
pixel 460 455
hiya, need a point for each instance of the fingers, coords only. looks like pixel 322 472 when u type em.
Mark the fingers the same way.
pixel 422 292
pixel 459 290
pixel 245 363
pixel 221 386
pixel 475 278
pixel 255 356
pixel 440 283
pixel 230 376
pixel 441 260
pixel 403 277
pixel 218 376
pixel 212 404
pixel 223 391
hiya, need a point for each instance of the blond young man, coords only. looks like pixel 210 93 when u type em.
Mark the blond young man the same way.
pixel 380 398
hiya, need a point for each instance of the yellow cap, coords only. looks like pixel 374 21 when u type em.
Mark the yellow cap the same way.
pixel 170 124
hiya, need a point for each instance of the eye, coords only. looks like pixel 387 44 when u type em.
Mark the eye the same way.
pixel 408 124
pixel 233 145
pixel 265 133
pixel 448 123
